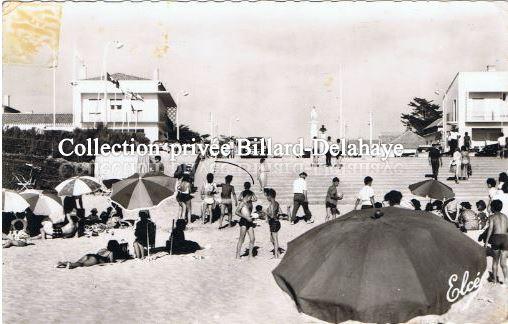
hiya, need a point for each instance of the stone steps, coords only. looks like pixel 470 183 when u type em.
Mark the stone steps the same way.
pixel 395 173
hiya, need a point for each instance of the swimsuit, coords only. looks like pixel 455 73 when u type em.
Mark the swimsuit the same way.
pixel 247 224
pixel 499 241
pixel 273 213
pixel 225 197
pixel 183 196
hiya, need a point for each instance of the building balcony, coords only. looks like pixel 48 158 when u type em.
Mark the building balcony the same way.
pixel 487 111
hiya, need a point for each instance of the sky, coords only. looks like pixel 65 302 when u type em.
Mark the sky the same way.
pixel 268 64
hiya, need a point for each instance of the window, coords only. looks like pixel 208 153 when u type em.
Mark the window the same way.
pixel 115 104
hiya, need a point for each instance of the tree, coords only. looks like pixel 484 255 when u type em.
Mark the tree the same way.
pixel 186 134
pixel 424 113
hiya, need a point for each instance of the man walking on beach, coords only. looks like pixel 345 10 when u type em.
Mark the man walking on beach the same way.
pixel 300 199
pixel 332 197
pixel 497 237
pixel 435 160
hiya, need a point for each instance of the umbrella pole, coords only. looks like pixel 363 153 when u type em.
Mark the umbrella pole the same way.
pixel 147 240
pixel 172 235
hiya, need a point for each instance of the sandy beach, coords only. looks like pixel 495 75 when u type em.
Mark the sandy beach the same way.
pixel 209 286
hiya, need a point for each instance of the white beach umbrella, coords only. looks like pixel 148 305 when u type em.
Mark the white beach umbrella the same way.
pixel 77 186
pixel 13 202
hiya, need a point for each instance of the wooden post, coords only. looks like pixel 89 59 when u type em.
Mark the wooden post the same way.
pixel 171 239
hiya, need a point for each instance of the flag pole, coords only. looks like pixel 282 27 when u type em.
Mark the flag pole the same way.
pixel 54 89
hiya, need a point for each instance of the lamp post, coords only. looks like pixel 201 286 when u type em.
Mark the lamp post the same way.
pixel 184 94
pixel 117 45
pixel 236 120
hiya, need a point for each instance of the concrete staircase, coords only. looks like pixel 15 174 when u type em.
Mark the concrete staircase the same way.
pixel 394 173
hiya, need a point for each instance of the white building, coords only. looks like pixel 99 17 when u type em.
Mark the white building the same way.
pixel 476 102
pixel 121 110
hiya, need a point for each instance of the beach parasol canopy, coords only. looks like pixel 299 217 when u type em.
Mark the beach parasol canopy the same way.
pixel 77 186
pixel 43 203
pixel 432 189
pixel 143 190
pixel 13 202
pixel 387 270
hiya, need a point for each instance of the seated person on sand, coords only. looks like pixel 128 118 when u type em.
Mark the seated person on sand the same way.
pixel 93 218
pixel 17 235
pixel 177 244
pixel 105 215
pixel 497 237
pixel 67 229
pixel 393 198
pixel 107 255
pixel 467 219
pixel 144 233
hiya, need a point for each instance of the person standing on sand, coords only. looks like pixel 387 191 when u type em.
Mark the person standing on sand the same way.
pixel 226 201
pixel 366 195
pixel 332 196
pixel 262 174
pixel 497 237
pixel 184 198
pixel 435 160
pixel 208 192
pixel 272 218
pixel 244 210
pixel 300 199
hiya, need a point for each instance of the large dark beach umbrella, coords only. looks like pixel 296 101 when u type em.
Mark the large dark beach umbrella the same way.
pixel 432 189
pixel 383 270
pixel 143 190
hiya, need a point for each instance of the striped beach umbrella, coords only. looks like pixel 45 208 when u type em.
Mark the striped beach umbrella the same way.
pixel 77 186
pixel 43 203
pixel 143 190
pixel 13 202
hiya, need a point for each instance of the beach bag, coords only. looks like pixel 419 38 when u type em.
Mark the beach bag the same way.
pixel 453 167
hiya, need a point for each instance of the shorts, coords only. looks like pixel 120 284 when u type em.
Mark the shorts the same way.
pixel 183 197
pixel 274 225
pixel 499 242
pixel 209 201
pixel 247 224
pixel 332 207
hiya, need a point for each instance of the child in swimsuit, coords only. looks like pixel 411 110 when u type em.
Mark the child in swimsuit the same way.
pixel 273 220
pixel 208 192
pixel 244 210
pixel 226 202
pixel 184 197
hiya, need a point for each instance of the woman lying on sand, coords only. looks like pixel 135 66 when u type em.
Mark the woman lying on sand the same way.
pixel 107 255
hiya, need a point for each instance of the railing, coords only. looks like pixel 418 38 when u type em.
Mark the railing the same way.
pixel 487 111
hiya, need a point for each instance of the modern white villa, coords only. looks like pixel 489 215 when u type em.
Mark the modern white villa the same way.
pixel 477 103
pixel 132 104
